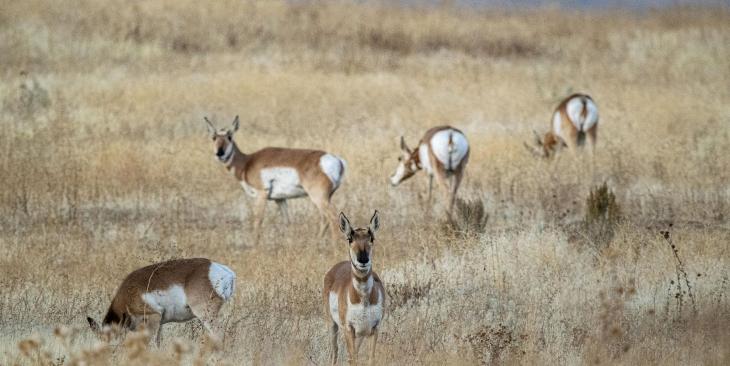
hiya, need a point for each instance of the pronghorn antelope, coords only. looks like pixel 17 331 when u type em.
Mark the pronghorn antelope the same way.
pixel 574 120
pixel 354 297
pixel 177 290
pixel 443 153
pixel 278 174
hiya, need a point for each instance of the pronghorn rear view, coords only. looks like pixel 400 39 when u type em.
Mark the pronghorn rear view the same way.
pixel 443 153
pixel 173 291
pixel 354 297
pixel 574 121
pixel 278 174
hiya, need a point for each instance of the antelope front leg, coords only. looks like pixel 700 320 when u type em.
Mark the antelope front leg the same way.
pixel 351 346
pixel 333 341
pixel 259 210
pixel 373 341
pixel 153 323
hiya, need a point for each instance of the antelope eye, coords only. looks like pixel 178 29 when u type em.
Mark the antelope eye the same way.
pixel 400 158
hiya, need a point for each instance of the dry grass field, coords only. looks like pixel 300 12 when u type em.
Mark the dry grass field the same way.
pixel 106 167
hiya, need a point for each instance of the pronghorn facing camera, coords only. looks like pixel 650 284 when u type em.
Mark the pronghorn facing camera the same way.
pixel 177 290
pixel 354 297
pixel 574 121
pixel 443 153
pixel 278 174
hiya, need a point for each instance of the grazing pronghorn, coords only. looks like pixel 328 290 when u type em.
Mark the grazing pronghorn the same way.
pixel 443 153
pixel 177 290
pixel 278 174
pixel 354 297
pixel 574 120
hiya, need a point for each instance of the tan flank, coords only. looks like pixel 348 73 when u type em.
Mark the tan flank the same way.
pixel 172 291
pixel 278 174
pixel 353 295
pixel 443 153
pixel 574 121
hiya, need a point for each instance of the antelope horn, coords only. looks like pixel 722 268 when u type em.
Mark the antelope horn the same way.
pixel 538 138
pixel 535 151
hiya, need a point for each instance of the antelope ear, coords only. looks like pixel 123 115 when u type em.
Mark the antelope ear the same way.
pixel 93 324
pixel 403 145
pixel 235 125
pixel 345 226
pixel 374 223
pixel 211 128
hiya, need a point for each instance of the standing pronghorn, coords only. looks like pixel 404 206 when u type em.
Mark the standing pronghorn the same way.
pixel 354 297
pixel 442 152
pixel 574 120
pixel 278 174
pixel 177 290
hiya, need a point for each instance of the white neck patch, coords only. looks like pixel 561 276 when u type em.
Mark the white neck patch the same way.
pixel 363 288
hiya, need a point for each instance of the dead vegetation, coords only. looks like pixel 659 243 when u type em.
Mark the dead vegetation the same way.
pixel 106 167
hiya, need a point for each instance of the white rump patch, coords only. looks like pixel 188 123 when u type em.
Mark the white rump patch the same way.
pixel 282 183
pixel 574 110
pixel 171 303
pixel 334 168
pixel 449 155
pixel 363 317
pixel 334 308
pixel 557 123
pixel 223 280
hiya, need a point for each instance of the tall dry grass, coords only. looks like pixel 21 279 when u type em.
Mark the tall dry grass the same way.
pixel 106 167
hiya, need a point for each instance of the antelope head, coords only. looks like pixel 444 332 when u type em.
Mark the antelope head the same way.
pixel 112 326
pixel 408 164
pixel 544 146
pixel 223 140
pixel 360 242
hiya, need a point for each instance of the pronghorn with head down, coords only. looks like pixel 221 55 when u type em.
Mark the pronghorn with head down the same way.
pixel 278 174
pixel 443 153
pixel 354 296
pixel 574 121
pixel 177 290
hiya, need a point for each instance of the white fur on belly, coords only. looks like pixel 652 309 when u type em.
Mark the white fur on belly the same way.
pixel 334 309
pixel 223 280
pixel 282 182
pixel 363 317
pixel 574 109
pixel 334 168
pixel 248 189
pixel 449 157
pixel 171 303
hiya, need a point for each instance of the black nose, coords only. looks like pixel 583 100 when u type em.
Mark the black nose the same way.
pixel 362 257
pixel 219 153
